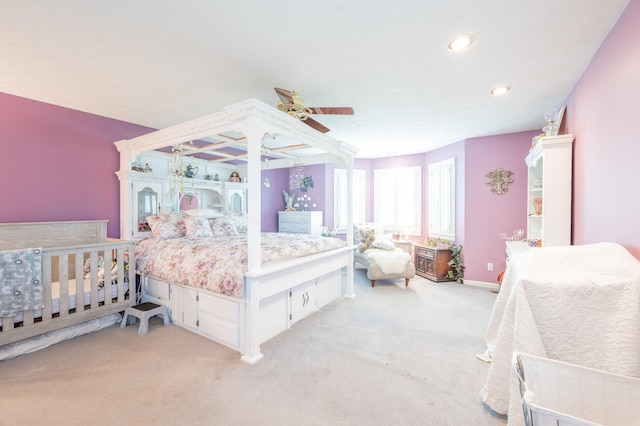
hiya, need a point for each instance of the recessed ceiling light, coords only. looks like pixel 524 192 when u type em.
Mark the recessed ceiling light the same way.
pixel 500 90
pixel 460 42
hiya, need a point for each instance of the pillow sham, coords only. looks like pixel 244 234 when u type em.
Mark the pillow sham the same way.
pixel 197 227
pixel 222 227
pixel 239 221
pixel 204 213
pixel 167 225
pixel 383 242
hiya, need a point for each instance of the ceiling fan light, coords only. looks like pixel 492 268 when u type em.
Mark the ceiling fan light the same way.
pixel 460 42
pixel 500 90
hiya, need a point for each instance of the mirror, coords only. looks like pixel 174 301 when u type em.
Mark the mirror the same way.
pixel 189 201
pixel 235 203
pixel 147 206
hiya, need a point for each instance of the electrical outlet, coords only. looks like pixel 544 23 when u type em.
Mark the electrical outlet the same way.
pixel 489 266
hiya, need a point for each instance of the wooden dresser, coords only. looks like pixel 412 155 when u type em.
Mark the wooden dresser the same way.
pixel 432 262
pixel 309 222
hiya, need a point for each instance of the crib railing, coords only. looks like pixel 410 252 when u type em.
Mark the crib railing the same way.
pixel 82 279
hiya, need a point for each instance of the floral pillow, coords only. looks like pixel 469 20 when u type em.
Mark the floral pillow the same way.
pixel 239 221
pixel 197 227
pixel 166 226
pixel 222 227
pixel 383 242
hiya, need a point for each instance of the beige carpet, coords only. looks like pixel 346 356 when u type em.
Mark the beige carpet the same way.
pixel 390 356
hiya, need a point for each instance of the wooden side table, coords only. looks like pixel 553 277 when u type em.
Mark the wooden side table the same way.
pixel 432 263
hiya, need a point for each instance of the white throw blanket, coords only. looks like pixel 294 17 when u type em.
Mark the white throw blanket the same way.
pixel 389 261
pixel 21 286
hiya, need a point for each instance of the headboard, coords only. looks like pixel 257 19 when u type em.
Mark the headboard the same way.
pixel 52 234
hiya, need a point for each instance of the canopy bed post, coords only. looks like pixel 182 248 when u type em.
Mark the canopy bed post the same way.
pixel 254 132
pixel 350 292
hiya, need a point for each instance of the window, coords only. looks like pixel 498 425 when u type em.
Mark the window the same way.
pixel 340 198
pixel 442 199
pixel 397 199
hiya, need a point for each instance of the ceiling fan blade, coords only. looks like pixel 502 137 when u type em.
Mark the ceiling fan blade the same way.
pixel 285 95
pixel 313 123
pixel 332 110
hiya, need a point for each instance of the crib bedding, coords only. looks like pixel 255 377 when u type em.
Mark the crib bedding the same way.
pixel 55 297
pixel 218 264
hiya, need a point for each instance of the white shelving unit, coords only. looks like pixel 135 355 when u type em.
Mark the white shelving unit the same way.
pixel 549 165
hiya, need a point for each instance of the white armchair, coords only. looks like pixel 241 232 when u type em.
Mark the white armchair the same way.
pixel 378 253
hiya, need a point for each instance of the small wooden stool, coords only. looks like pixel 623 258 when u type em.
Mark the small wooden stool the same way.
pixel 143 312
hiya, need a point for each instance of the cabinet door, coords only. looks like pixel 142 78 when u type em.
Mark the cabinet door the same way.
pixel 236 197
pixel 184 307
pixel 303 301
pixel 147 199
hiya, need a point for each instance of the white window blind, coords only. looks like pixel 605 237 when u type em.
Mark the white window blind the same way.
pixel 340 198
pixel 397 199
pixel 442 199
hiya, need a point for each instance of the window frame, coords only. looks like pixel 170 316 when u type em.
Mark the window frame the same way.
pixel 393 197
pixel 340 194
pixel 442 199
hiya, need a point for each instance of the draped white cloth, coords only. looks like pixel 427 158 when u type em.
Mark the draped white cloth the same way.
pixel 577 304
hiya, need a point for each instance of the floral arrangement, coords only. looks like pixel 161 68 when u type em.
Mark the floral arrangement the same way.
pixel 326 233
pixel 289 199
pixel 306 183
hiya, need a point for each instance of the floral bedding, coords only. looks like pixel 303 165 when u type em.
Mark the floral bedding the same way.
pixel 218 263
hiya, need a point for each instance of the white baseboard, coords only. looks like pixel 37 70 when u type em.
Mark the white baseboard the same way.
pixel 492 286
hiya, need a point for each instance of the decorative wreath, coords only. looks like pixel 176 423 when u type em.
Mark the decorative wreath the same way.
pixel 305 183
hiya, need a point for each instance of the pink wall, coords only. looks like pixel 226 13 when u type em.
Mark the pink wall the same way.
pixel 603 113
pixel 490 217
pixel 58 163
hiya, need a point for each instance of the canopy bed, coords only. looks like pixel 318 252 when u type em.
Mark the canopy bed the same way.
pixel 272 294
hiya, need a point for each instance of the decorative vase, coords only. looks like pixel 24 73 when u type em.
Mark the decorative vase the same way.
pixel 537 205
pixel 191 171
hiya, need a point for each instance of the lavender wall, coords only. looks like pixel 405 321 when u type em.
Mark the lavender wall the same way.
pixel 271 198
pixel 58 163
pixel 602 112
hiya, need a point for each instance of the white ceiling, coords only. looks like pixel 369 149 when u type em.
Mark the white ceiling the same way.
pixel 161 62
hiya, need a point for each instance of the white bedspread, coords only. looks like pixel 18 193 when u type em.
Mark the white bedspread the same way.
pixel 577 304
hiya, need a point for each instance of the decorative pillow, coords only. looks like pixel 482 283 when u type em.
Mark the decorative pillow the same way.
pixel 222 227
pixel 167 225
pixel 204 213
pixel 197 227
pixel 367 237
pixel 383 242
pixel 239 221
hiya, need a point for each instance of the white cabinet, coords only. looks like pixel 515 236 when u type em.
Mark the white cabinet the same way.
pixel 213 317
pixel 236 197
pixel 300 222
pixel 141 195
pixel 549 167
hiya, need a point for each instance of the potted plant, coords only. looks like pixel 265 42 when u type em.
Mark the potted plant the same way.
pixel 456 273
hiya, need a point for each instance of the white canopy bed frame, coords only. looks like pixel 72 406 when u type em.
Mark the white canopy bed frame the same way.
pixel 254 130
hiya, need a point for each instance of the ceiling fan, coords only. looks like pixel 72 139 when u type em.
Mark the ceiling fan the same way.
pixel 294 106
